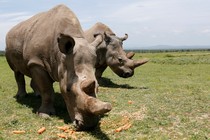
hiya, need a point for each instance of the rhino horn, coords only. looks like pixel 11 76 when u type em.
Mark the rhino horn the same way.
pixel 124 38
pixel 97 107
pixel 140 62
pixel 88 86
pixel 130 55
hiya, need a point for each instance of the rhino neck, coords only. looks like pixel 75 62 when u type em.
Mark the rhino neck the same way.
pixel 101 57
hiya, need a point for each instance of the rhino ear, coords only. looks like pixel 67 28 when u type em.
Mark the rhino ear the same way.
pixel 124 38
pixel 107 38
pixel 98 40
pixel 65 43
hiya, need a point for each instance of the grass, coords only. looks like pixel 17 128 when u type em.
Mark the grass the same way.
pixel 167 98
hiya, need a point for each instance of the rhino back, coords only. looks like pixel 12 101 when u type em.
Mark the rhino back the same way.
pixel 97 28
pixel 34 41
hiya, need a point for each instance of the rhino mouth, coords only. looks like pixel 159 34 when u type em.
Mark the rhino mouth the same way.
pixel 126 74
pixel 82 126
pixel 78 124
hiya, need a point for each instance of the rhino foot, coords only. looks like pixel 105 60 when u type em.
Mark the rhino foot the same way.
pixel 37 95
pixel 45 113
pixel 20 95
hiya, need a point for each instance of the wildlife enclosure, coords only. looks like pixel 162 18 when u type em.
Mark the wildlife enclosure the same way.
pixel 167 98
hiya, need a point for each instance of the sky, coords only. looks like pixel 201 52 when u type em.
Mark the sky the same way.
pixel 148 23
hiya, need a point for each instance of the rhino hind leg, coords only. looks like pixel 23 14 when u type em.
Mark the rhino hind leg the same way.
pixel 44 84
pixel 20 80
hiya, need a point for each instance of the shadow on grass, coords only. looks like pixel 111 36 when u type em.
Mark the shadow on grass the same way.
pixel 34 102
pixel 98 134
pixel 105 82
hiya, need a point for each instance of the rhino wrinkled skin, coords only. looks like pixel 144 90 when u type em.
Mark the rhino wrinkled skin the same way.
pixel 110 52
pixel 49 47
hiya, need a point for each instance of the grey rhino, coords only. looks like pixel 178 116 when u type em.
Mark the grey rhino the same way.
pixel 49 47
pixel 110 52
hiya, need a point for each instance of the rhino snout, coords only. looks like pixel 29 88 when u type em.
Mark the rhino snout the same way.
pixel 87 118
pixel 127 74
pixel 86 122
pixel 78 124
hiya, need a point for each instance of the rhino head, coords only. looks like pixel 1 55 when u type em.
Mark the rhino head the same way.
pixel 117 59
pixel 78 82
pixel 110 52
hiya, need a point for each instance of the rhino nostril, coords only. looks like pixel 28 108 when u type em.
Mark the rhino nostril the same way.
pixel 68 89
pixel 127 74
pixel 78 124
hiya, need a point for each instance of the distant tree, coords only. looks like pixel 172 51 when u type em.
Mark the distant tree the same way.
pixel 2 53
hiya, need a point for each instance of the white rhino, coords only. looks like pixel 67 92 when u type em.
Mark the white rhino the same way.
pixel 49 47
pixel 110 52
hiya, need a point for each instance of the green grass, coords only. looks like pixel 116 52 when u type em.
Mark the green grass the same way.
pixel 169 99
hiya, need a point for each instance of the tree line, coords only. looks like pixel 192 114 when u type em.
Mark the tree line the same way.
pixel 2 53
pixel 166 50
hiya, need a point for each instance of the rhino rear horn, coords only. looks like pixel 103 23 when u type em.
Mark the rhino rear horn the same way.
pixel 88 86
pixel 98 40
pixel 97 107
pixel 140 62
pixel 130 55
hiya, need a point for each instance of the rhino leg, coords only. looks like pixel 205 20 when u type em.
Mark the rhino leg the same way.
pixel 20 80
pixel 44 84
pixel 99 72
pixel 35 88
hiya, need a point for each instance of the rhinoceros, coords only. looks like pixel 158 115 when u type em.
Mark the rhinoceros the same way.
pixel 110 52
pixel 49 47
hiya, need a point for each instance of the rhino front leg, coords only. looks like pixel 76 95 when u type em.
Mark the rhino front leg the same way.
pixel 44 84
pixel 35 88
pixel 99 71
pixel 20 80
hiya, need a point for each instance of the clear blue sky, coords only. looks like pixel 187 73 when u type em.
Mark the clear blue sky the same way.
pixel 147 22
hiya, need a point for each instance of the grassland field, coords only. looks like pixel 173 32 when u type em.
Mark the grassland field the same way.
pixel 167 98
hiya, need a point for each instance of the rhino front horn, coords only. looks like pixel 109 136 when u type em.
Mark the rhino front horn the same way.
pixel 97 107
pixel 140 62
